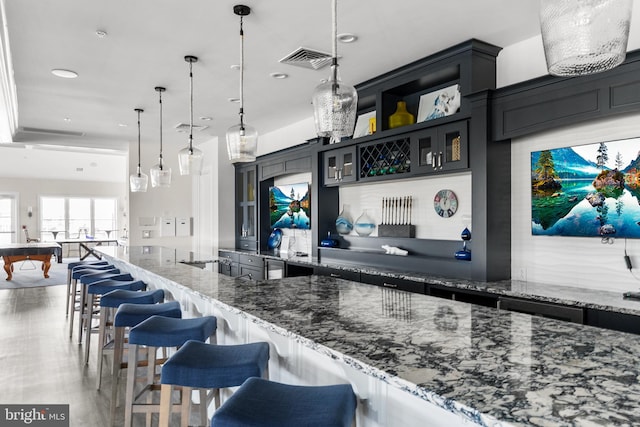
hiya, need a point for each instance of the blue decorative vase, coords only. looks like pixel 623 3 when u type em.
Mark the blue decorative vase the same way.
pixel 364 224
pixel 329 242
pixel 344 223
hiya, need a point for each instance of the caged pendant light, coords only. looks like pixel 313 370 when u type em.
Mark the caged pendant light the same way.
pixel 190 158
pixel 138 181
pixel 242 139
pixel 334 103
pixel 583 37
pixel 160 174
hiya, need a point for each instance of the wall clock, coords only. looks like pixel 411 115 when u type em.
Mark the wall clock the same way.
pixel 445 203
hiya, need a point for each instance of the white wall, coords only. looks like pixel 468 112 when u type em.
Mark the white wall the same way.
pixel 172 202
pixel 225 212
pixel 573 261
pixel 29 190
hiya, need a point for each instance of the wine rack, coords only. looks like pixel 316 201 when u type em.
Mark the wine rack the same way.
pixel 385 158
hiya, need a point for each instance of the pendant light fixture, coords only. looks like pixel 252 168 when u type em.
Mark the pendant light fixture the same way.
pixel 190 158
pixel 242 139
pixel 583 37
pixel 138 181
pixel 160 174
pixel 334 103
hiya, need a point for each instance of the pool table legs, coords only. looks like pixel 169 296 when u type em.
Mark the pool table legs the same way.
pixel 9 260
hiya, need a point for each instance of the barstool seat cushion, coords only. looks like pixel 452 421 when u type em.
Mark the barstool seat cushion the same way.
pixel 265 403
pixel 158 331
pixel 130 314
pixel 102 287
pixel 117 297
pixel 72 265
pixel 200 365
pixel 80 271
pixel 87 279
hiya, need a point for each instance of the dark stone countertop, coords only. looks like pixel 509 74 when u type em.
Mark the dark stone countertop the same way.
pixel 489 366
pixel 563 295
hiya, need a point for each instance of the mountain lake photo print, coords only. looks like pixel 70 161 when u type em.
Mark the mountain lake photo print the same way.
pixel 587 190
pixel 289 206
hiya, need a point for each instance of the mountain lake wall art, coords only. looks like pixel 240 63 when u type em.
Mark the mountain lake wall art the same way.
pixel 289 206
pixel 587 190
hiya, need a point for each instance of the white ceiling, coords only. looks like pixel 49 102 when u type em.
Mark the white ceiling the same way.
pixel 147 40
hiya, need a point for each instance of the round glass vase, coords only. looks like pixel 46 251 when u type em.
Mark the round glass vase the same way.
pixel 364 225
pixel 344 223
pixel 401 117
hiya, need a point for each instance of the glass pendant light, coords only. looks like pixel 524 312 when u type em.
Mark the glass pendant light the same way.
pixel 242 139
pixel 583 37
pixel 190 158
pixel 335 103
pixel 160 174
pixel 138 181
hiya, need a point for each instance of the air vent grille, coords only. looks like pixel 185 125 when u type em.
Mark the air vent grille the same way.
pixel 184 127
pixel 307 58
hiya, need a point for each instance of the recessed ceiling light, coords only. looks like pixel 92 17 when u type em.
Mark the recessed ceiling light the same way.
pixel 65 74
pixel 235 67
pixel 233 99
pixel 67 119
pixel 347 38
pixel 101 33
pixel 123 125
pixel 279 75
pixel 206 118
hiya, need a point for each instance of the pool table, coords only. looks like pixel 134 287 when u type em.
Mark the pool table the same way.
pixel 16 252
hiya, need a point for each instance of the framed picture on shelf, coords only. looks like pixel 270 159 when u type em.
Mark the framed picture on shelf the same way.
pixel 440 103
pixel 363 127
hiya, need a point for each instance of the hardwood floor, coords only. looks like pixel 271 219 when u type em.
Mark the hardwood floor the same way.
pixel 39 364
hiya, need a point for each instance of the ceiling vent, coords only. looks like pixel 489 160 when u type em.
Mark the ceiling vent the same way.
pixel 307 58
pixel 50 131
pixel 184 127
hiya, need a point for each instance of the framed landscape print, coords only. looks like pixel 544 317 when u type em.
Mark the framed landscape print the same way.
pixel 587 190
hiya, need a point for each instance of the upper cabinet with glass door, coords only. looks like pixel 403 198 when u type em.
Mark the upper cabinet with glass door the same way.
pixel 246 208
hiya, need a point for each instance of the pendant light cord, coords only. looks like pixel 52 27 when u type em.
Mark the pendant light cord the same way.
pixel 139 165
pixel 160 102
pixel 334 46
pixel 241 76
pixel 191 107
pixel 334 28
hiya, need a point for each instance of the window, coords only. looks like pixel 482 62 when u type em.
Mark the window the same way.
pixel 78 217
pixel 7 218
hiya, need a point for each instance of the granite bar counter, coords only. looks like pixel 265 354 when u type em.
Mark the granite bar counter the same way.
pixel 467 364
pixel 564 295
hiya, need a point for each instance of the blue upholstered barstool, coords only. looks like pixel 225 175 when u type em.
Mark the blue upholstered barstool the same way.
pixel 154 333
pixel 94 290
pixel 70 266
pixel 85 281
pixel 262 403
pixel 109 302
pixel 76 273
pixel 198 365
pixel 128 315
